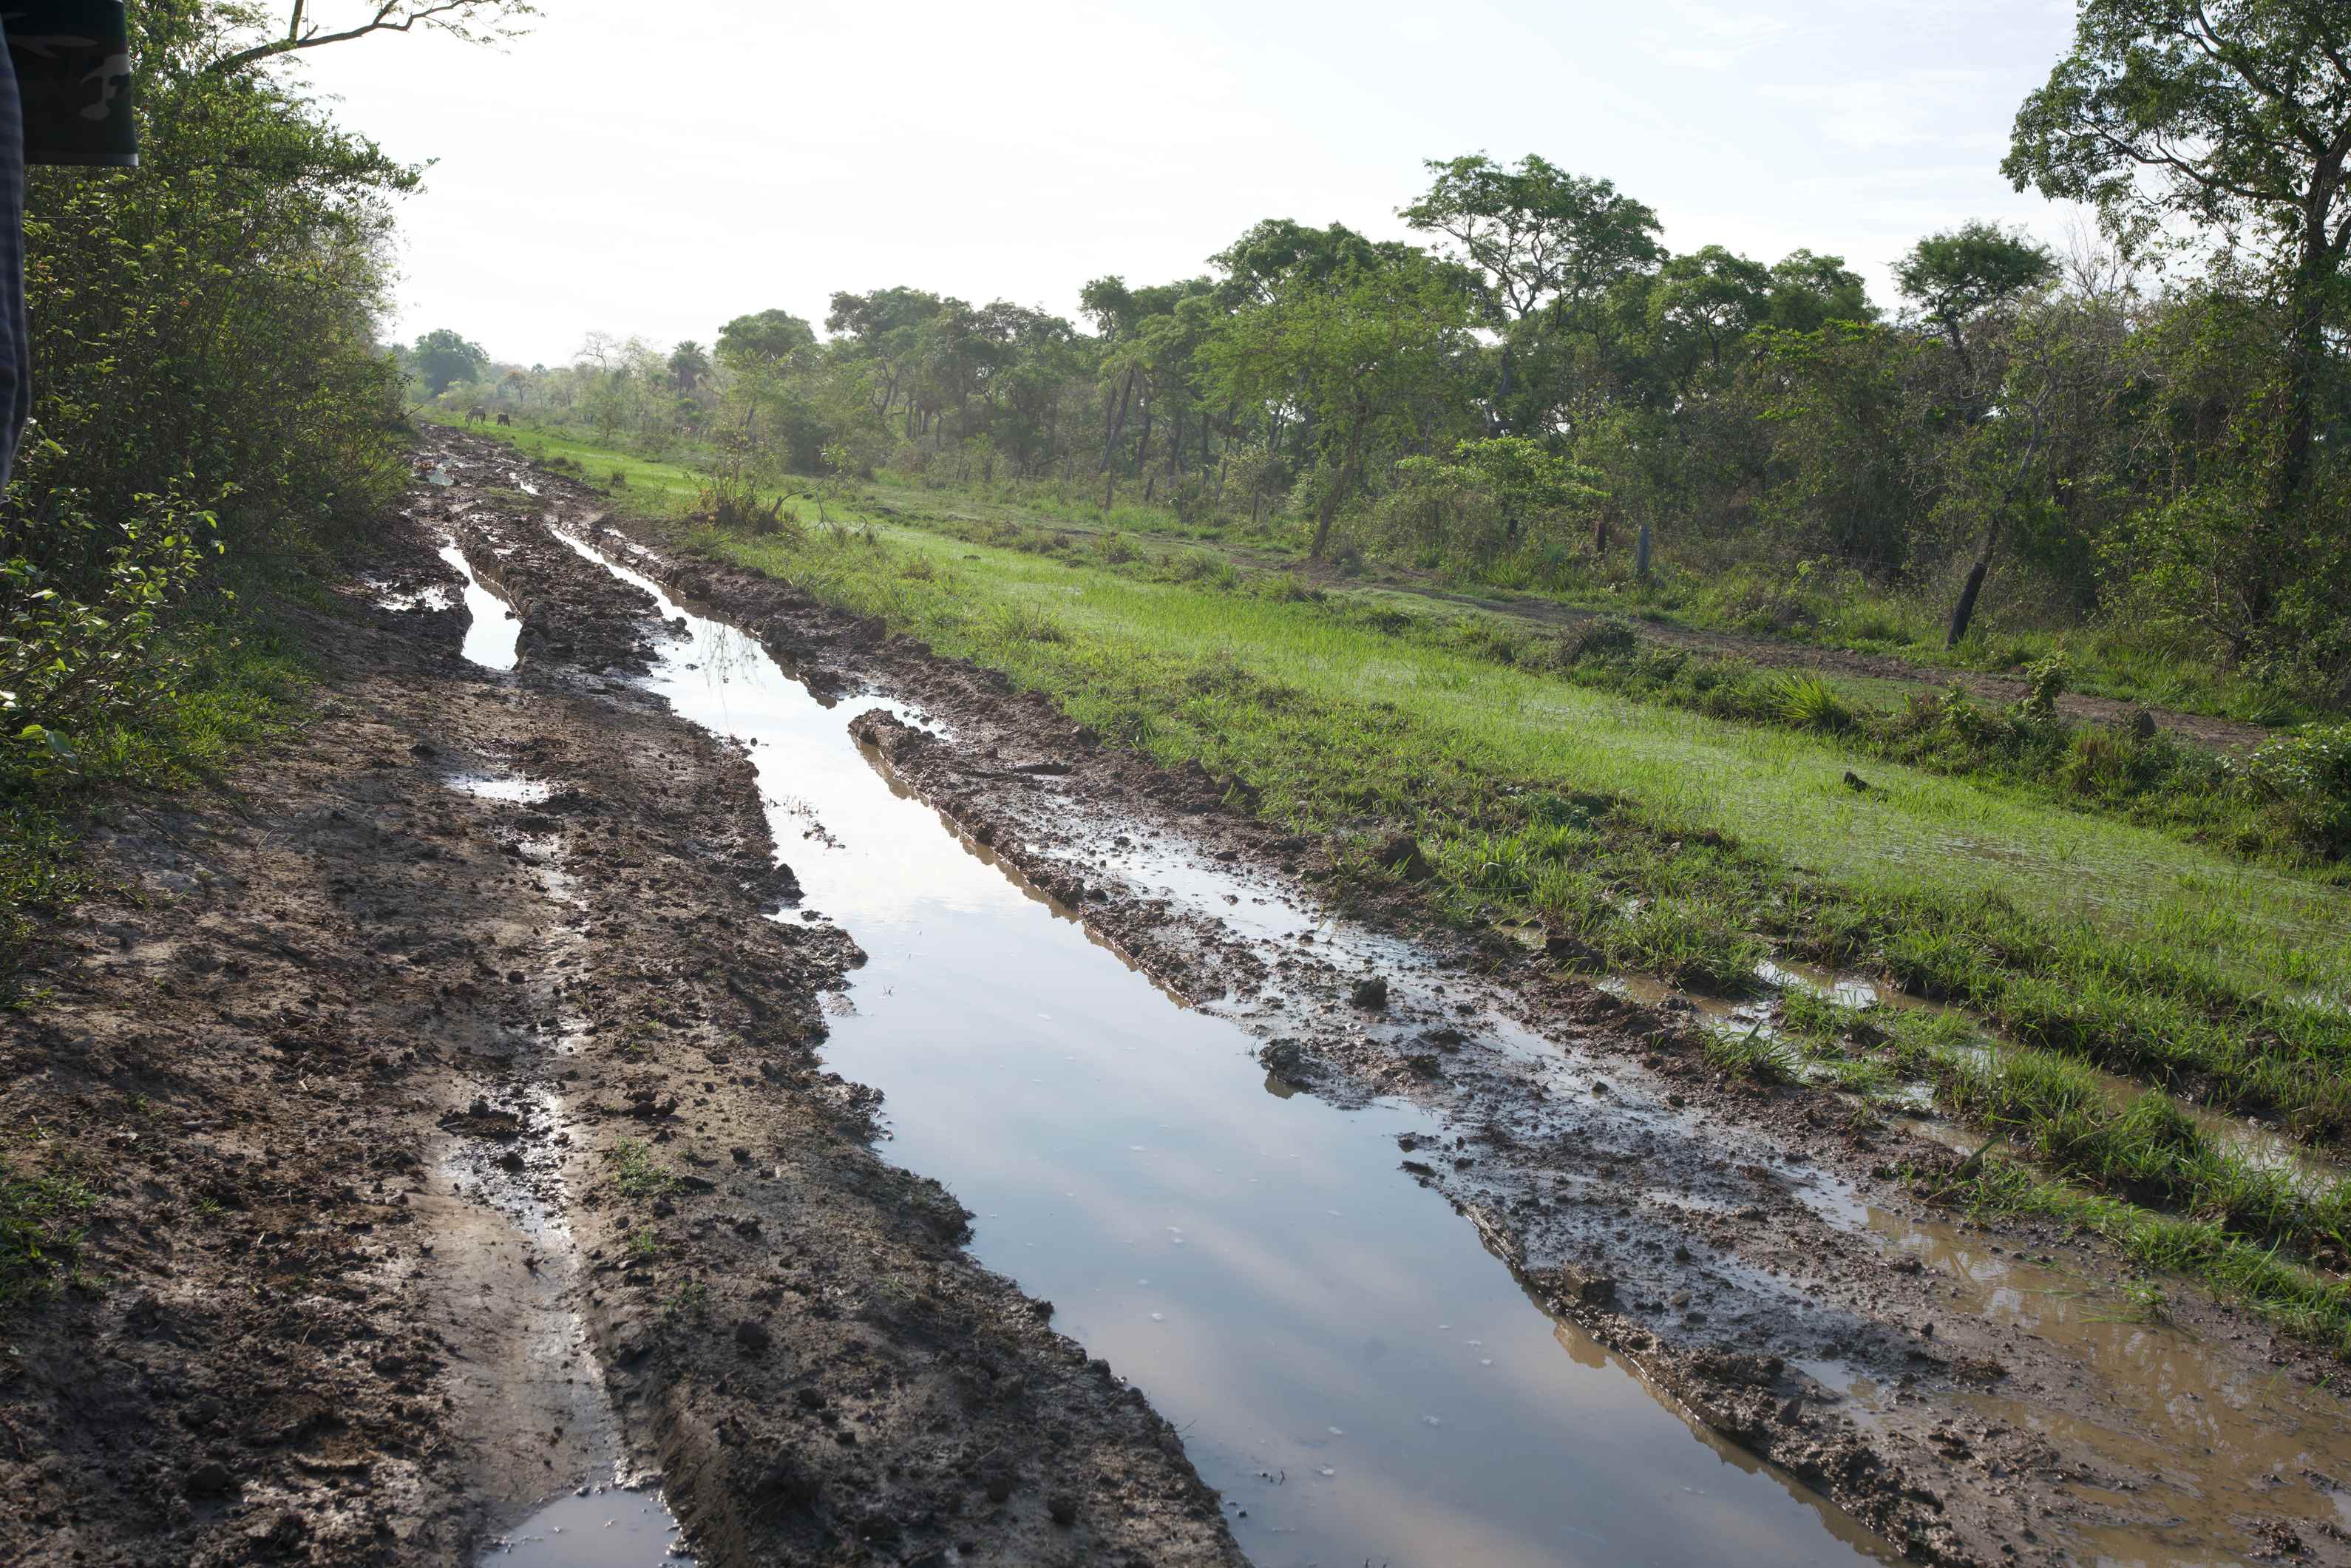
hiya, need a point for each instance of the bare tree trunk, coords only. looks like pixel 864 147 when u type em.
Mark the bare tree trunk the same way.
pixel 1965 610
pixel 1641 555
pixel 1110 439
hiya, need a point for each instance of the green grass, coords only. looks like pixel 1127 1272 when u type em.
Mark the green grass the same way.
pixel 2071 931
pixel 40 1232
pixel 1658 837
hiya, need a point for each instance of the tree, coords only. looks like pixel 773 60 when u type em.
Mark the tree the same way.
pixel 1362 357
pixel 1808 291
pixel 1275 249
pixel 766 339
pixel 1542 249
pixel 445 358
pixel 1704 303
pixel 2234 114
pixel 1537 237
pixel 1955 277
pixel 687 365
pixel 474 21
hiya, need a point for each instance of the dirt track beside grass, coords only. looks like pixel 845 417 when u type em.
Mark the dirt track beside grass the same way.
pixel 457 1143
pixel 457 1136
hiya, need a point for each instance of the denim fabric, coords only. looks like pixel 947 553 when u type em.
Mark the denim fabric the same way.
pixel 16 351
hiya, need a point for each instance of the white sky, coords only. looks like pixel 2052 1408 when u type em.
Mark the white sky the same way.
pixel 660 166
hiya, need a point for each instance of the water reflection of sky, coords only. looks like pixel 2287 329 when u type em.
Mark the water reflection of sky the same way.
pixel 1297 1306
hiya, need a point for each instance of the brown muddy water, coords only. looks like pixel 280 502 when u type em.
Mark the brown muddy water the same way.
pixel 1348 1366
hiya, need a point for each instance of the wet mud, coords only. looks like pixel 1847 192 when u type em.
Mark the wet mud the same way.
pixel 1749 1252
pixel 709 1079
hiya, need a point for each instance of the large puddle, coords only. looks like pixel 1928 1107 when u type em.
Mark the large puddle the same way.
pixel 1347 1364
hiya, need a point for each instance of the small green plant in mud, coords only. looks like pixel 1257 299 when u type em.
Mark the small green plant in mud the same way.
pixel 40 1232
pixel 689 1300
pixel 635 1171
pixel 643 1246
pixel 1751 1054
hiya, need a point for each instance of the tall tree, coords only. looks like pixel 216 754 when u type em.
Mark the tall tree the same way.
pixel 443 358
pixel 1956 276
pixel 688 364
pixel 1368 358
pixel 1542 249
pixel 2235 114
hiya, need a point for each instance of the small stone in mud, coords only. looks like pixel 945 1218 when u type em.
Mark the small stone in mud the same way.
pixel 753 1336
pixel 1372 992
pixel 511 1160
pixel 1063 1508
pixel 742 1156
pixel 514 976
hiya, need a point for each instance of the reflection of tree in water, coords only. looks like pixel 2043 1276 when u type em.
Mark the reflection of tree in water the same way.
pixel 794 806
pixel 729 655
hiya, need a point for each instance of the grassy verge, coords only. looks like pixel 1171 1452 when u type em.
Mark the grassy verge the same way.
pixel 2244 807
pixel 1826 609
pixel 2260 807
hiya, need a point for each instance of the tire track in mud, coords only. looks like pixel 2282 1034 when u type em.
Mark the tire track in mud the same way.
pixel 1979 1393
pixel 444 1078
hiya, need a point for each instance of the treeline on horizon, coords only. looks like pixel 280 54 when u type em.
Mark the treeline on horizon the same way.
pixel 2147 434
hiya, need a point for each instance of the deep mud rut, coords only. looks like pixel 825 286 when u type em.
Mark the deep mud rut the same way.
pixel 479 1111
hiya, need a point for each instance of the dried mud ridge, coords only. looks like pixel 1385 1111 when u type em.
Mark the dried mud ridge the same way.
pixel 454 1142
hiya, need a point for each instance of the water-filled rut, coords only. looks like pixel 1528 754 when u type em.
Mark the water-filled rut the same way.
pixel 1347 1364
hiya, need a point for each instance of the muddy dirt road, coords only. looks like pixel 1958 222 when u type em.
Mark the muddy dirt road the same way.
pixel 653 1043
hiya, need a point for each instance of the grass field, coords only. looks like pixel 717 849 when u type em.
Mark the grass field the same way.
pixel 1668 841
pixel 1842 614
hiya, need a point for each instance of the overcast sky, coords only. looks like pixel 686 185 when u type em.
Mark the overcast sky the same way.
pixel 660 166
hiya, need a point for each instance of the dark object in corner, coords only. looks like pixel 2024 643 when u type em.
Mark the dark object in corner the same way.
pixel 73 74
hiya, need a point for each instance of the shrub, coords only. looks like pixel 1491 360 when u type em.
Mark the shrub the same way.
pixel 1597 639
pixel 1807 701
pixel 68 665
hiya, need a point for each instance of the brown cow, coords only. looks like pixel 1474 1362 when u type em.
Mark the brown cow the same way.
pixel 476 414
pixel 506 419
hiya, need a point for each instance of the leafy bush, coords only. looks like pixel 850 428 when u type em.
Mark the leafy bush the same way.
pixel 69 665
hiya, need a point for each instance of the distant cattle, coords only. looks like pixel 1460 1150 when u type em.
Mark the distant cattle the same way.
pixel 506 419
pixel 476 414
